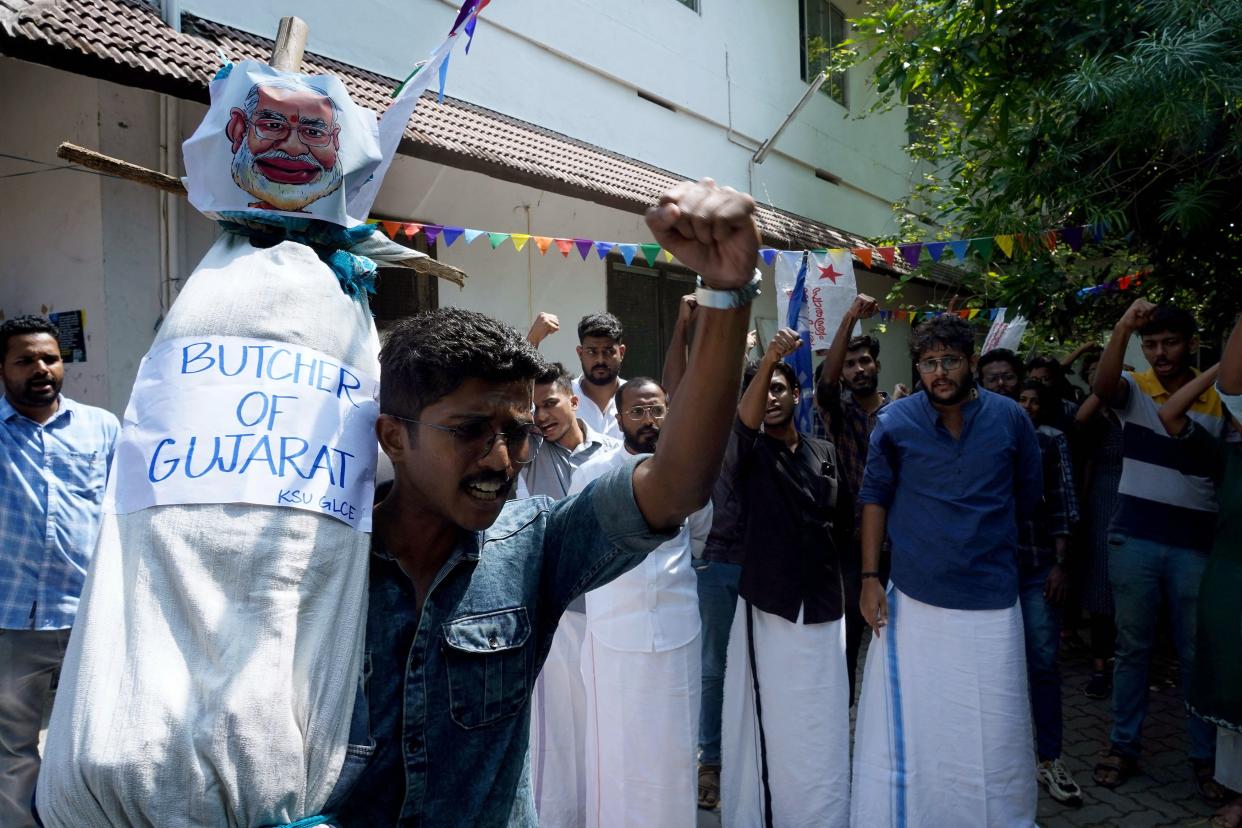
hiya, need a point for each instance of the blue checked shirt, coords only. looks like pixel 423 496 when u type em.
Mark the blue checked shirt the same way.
pixel 52 479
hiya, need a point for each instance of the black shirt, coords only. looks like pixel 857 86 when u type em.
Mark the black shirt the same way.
pixel 788 556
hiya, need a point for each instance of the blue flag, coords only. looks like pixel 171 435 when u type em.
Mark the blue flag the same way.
pixel 800 359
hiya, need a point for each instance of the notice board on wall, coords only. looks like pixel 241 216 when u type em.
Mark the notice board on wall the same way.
pixel 72 327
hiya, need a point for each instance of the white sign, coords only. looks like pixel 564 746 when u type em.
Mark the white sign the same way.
pixel 226 419
pixel 1004 334
pixel 830 290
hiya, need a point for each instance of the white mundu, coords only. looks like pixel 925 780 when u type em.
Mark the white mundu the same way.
pixel 641 666
pixel 944 723
pixel 786 716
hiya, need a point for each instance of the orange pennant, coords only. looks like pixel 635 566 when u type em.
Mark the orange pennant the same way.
pixel 543 243
pixel 1050 239
pixel 564 245
pixel 391 228
pixel 864 255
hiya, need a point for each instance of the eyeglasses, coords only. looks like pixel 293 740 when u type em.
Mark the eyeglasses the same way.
pixel 276 129
pixel 638 412
pixel 607 353
pixel 949 363
pixel 477 438
pixel 1000 377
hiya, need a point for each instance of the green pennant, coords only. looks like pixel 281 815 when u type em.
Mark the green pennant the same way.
pixel 650 253
pixel 497 239
pixel 983 247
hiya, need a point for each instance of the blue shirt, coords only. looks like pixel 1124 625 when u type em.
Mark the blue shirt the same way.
pixel 442 723
pixel 954 504
pixel 52 479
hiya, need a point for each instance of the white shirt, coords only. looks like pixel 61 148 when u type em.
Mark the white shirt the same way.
pixel 602 420
pixel 655 606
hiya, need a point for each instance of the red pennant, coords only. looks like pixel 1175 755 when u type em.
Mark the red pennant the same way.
pixel 888 254
pixel 1050 239
pixel 391 228
pixel 411 229
pixel 564 245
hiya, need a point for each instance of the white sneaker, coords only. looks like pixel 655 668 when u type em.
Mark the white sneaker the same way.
pixel 1060 783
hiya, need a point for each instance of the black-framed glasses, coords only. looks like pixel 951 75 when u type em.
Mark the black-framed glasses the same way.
pixel 277 129
pixel 477 438
pixel 948 363
pixel 636 413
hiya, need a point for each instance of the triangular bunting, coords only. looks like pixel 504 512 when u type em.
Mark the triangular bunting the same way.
pixel 888 254
pixel 519 240
pixel 564 245
pixel 1098 229
pixel 1050 239
pixel 864 255
pixel 584 247
pixel 960 248
pixel 993 313
pixel 973 313
pixel 471 235
pixel 411 230
pixel 911 253
pixel 628 252
pixel 668 255
pixel 391 228
pixel 497 239
pixel 1005 243
pixel 650 252
pixel 452 234
pixel 935 250
pixel 768 254
pixel 543 243
pixel 983 247
pixel 431 231
pixel 604 248
pixel 1072 236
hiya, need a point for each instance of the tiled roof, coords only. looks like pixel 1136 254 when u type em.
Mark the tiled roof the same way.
pixel 126 41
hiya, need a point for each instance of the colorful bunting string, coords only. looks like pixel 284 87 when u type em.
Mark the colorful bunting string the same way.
pixel 912 253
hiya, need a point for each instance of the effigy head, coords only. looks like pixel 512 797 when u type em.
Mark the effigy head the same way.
pixel 280 142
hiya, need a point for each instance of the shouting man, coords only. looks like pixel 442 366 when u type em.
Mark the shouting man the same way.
pixel 467 588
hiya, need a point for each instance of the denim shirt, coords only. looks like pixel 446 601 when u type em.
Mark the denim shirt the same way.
pixel 442 721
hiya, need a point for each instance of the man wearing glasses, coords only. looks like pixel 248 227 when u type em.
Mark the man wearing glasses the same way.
pixel 467 587
pixel 641 659
pixel 944 722
pixel 601 351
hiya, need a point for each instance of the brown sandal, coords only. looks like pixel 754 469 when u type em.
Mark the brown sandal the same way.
pixel 1114 769
pixel 1210 791
pixel 709 786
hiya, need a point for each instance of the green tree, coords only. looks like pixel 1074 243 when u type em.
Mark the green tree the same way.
pixel 1027 115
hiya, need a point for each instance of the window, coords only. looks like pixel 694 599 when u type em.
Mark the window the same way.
pixel 645 299
pixel 400 292
pixel 823 29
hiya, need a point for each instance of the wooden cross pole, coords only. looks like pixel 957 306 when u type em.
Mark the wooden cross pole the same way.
pixel 287 56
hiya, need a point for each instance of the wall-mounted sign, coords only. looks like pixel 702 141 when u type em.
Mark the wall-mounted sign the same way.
pixel 72 326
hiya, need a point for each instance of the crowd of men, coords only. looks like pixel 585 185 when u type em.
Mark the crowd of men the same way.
pixel 604 602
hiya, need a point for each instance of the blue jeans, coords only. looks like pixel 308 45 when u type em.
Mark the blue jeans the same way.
pixel 717 603
pixel 1143 574
pixel 1041 625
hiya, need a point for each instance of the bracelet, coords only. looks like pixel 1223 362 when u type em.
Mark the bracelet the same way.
pixel 708 297
pixel 865 575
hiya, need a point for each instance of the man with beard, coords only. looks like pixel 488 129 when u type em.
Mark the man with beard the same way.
pixel 785 740
pixel 558 708
pixel 285 144
pixel 1162 530
pixel 641 658
pixel 466 588
pixel 850 416
pixel 54 457
pixel 944 722
pixel 601 351
pixel 1001 372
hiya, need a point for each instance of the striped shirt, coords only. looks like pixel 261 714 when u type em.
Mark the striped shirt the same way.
pixel 1166 495
pixel 52 479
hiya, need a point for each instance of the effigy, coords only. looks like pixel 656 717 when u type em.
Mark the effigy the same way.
pixel 211 674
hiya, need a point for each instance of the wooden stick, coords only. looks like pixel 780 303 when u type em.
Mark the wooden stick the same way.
pixel 121 169
pixel 290 44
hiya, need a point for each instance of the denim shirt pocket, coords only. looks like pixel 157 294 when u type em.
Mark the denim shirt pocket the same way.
pixel 487 665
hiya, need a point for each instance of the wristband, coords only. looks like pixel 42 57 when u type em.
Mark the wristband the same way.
pixel 708 297
pixel 865 575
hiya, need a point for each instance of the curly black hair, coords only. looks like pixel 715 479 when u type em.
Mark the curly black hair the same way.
pixel 950 332
pixel 1002 355
pixel 22 326
pixel 427 357
pixel 600 324
pixel 1172 319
